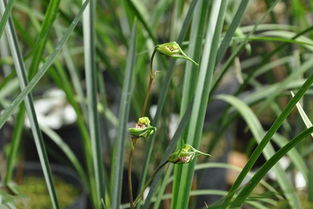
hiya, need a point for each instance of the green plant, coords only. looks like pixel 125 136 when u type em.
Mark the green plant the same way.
pixel 117 66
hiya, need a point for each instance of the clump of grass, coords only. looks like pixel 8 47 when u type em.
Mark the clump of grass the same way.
pixel 120 57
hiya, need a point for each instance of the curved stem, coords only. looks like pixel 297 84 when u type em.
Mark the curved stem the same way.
pixel 151 78
pixel 149 182
pixel 130 185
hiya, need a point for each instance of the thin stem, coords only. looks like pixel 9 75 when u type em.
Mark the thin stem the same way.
pixel 149 182
pixel 130 185
pixel 151 78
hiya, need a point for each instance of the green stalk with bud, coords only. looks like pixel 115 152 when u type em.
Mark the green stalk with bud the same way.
pixel 143 129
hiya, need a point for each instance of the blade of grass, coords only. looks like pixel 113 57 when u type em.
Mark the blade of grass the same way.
pixel 252 201
pixel 67 151
pixel 230 60
pixel 232 167
pixel 310 185
pixel 37 54
pixel 202 92
pixel 231 30
pixel 118 153
pixel 163 93
pixel 294 156
pixel 162 188
pixel 258 132
pixel 6 15
pixel 191 72
pixel 277 123
pixel 170 148
pixel 303 68
pixel 92 90
pixel 40 43
pixel 142 19
pixel 268 56
pixel 43 69
pixel 16 139
pixel 247 189
pixel 302 113
pixel 21 73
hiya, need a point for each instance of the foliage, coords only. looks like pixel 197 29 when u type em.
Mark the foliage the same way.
pixel 205 67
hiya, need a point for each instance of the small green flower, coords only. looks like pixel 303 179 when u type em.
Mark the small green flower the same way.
pixel 142 129
pixel 185 154
pixel 144 121
pixel 172 49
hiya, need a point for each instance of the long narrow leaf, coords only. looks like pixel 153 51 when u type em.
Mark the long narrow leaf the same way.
pixel 277 123
pixel 163 93
pixel 37 55
pixel 170 148
pixel 21 74
pixel 92 91
pixel 118 153
pixel 202 91
pixel 191 72
pixel 258 132
pixel 248 188
pixel 6 114
pixel 6 15
pixel 302 113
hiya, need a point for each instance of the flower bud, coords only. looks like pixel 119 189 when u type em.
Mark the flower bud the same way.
pixel 185 154
pixel 172 49
pixel 142 129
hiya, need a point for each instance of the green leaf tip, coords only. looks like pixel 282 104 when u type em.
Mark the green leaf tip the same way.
pixel 185 154
pixel 172 49
pixel 143 129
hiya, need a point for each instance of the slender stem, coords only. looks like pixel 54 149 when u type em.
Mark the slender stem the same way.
pixel 130 185
pixel 151 78
pixel 149 182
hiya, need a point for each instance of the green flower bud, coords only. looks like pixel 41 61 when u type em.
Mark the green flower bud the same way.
pixel 142 129
pixel 185 154
pixel 172 49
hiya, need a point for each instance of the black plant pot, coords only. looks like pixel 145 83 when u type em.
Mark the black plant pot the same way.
pixel 65 174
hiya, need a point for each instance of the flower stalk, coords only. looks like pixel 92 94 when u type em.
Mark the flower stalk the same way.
pixel 143 129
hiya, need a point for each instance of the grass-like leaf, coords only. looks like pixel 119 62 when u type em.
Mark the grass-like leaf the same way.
pixel 170 148
pixel 6 15
pixel 163 92
pixel 6 114
pixel 191 73
pixel 248 188
pixel 21 74
pixel 92 91
pixel 258 132
pixel 118 152
pixel 207 66
pixel 277 123
pixel 302 113
pixel 37 55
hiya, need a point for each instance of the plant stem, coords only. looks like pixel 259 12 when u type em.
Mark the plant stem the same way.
pixel 149 182
pixel 151 78
pixel 130 185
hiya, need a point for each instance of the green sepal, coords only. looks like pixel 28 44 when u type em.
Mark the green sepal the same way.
pixel 172 49
pixel 143 129
pixel 185 154
pixel 142 132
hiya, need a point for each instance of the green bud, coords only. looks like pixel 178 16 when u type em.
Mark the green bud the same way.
pixel 185 154
pixel 172 49
pixel 143 129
